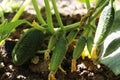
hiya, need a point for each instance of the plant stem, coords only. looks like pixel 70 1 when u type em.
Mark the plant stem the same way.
pixel 98 10
pixel 38 14
pixel 49 16
pixel 111 2
pixel 57 14
pixel 37 26
pixel 68 27
pixel 87 4
pixel 75 25
pixel 21 10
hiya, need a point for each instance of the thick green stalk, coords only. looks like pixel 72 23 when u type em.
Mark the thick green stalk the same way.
pixel 87 4
pixel 38 14
pixel 71 26
pixel 49 16
pixel 57 14
pixel 68 27
pixel 21 10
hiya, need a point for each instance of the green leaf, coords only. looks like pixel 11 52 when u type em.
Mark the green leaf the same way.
pixel 115 44
pixel 6 28
pixel 116 24
pixel 112 61
pixel 109 41
pixel 111 52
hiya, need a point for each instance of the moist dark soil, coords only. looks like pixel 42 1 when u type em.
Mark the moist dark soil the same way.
pixel 86 69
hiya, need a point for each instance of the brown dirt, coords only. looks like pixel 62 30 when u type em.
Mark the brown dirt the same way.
pixel 86 70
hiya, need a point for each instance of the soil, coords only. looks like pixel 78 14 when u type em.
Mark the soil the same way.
pixel 86 70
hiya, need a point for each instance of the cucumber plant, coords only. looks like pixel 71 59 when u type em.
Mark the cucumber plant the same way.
pixel 62 36
pixel 106 49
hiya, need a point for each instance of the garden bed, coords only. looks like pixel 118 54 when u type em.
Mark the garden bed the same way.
pixel 86 69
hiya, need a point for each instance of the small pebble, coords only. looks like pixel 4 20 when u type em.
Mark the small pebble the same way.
pixel 2 65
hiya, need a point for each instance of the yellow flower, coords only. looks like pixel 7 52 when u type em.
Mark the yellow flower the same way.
pixel 85 53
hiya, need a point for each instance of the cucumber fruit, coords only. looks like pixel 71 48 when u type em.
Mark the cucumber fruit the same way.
pixel 27 46
pixel 58 53
pixel 105 24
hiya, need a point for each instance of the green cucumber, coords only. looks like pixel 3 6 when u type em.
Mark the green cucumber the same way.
pixel 27 46
pixel 79 47
pixel 89 43
pixel 58 53
pixel 105 23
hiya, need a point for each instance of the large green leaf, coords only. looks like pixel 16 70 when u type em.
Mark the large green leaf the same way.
pixel 6 28
pixel 112 61
pixel 111 52
pixel 112 38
